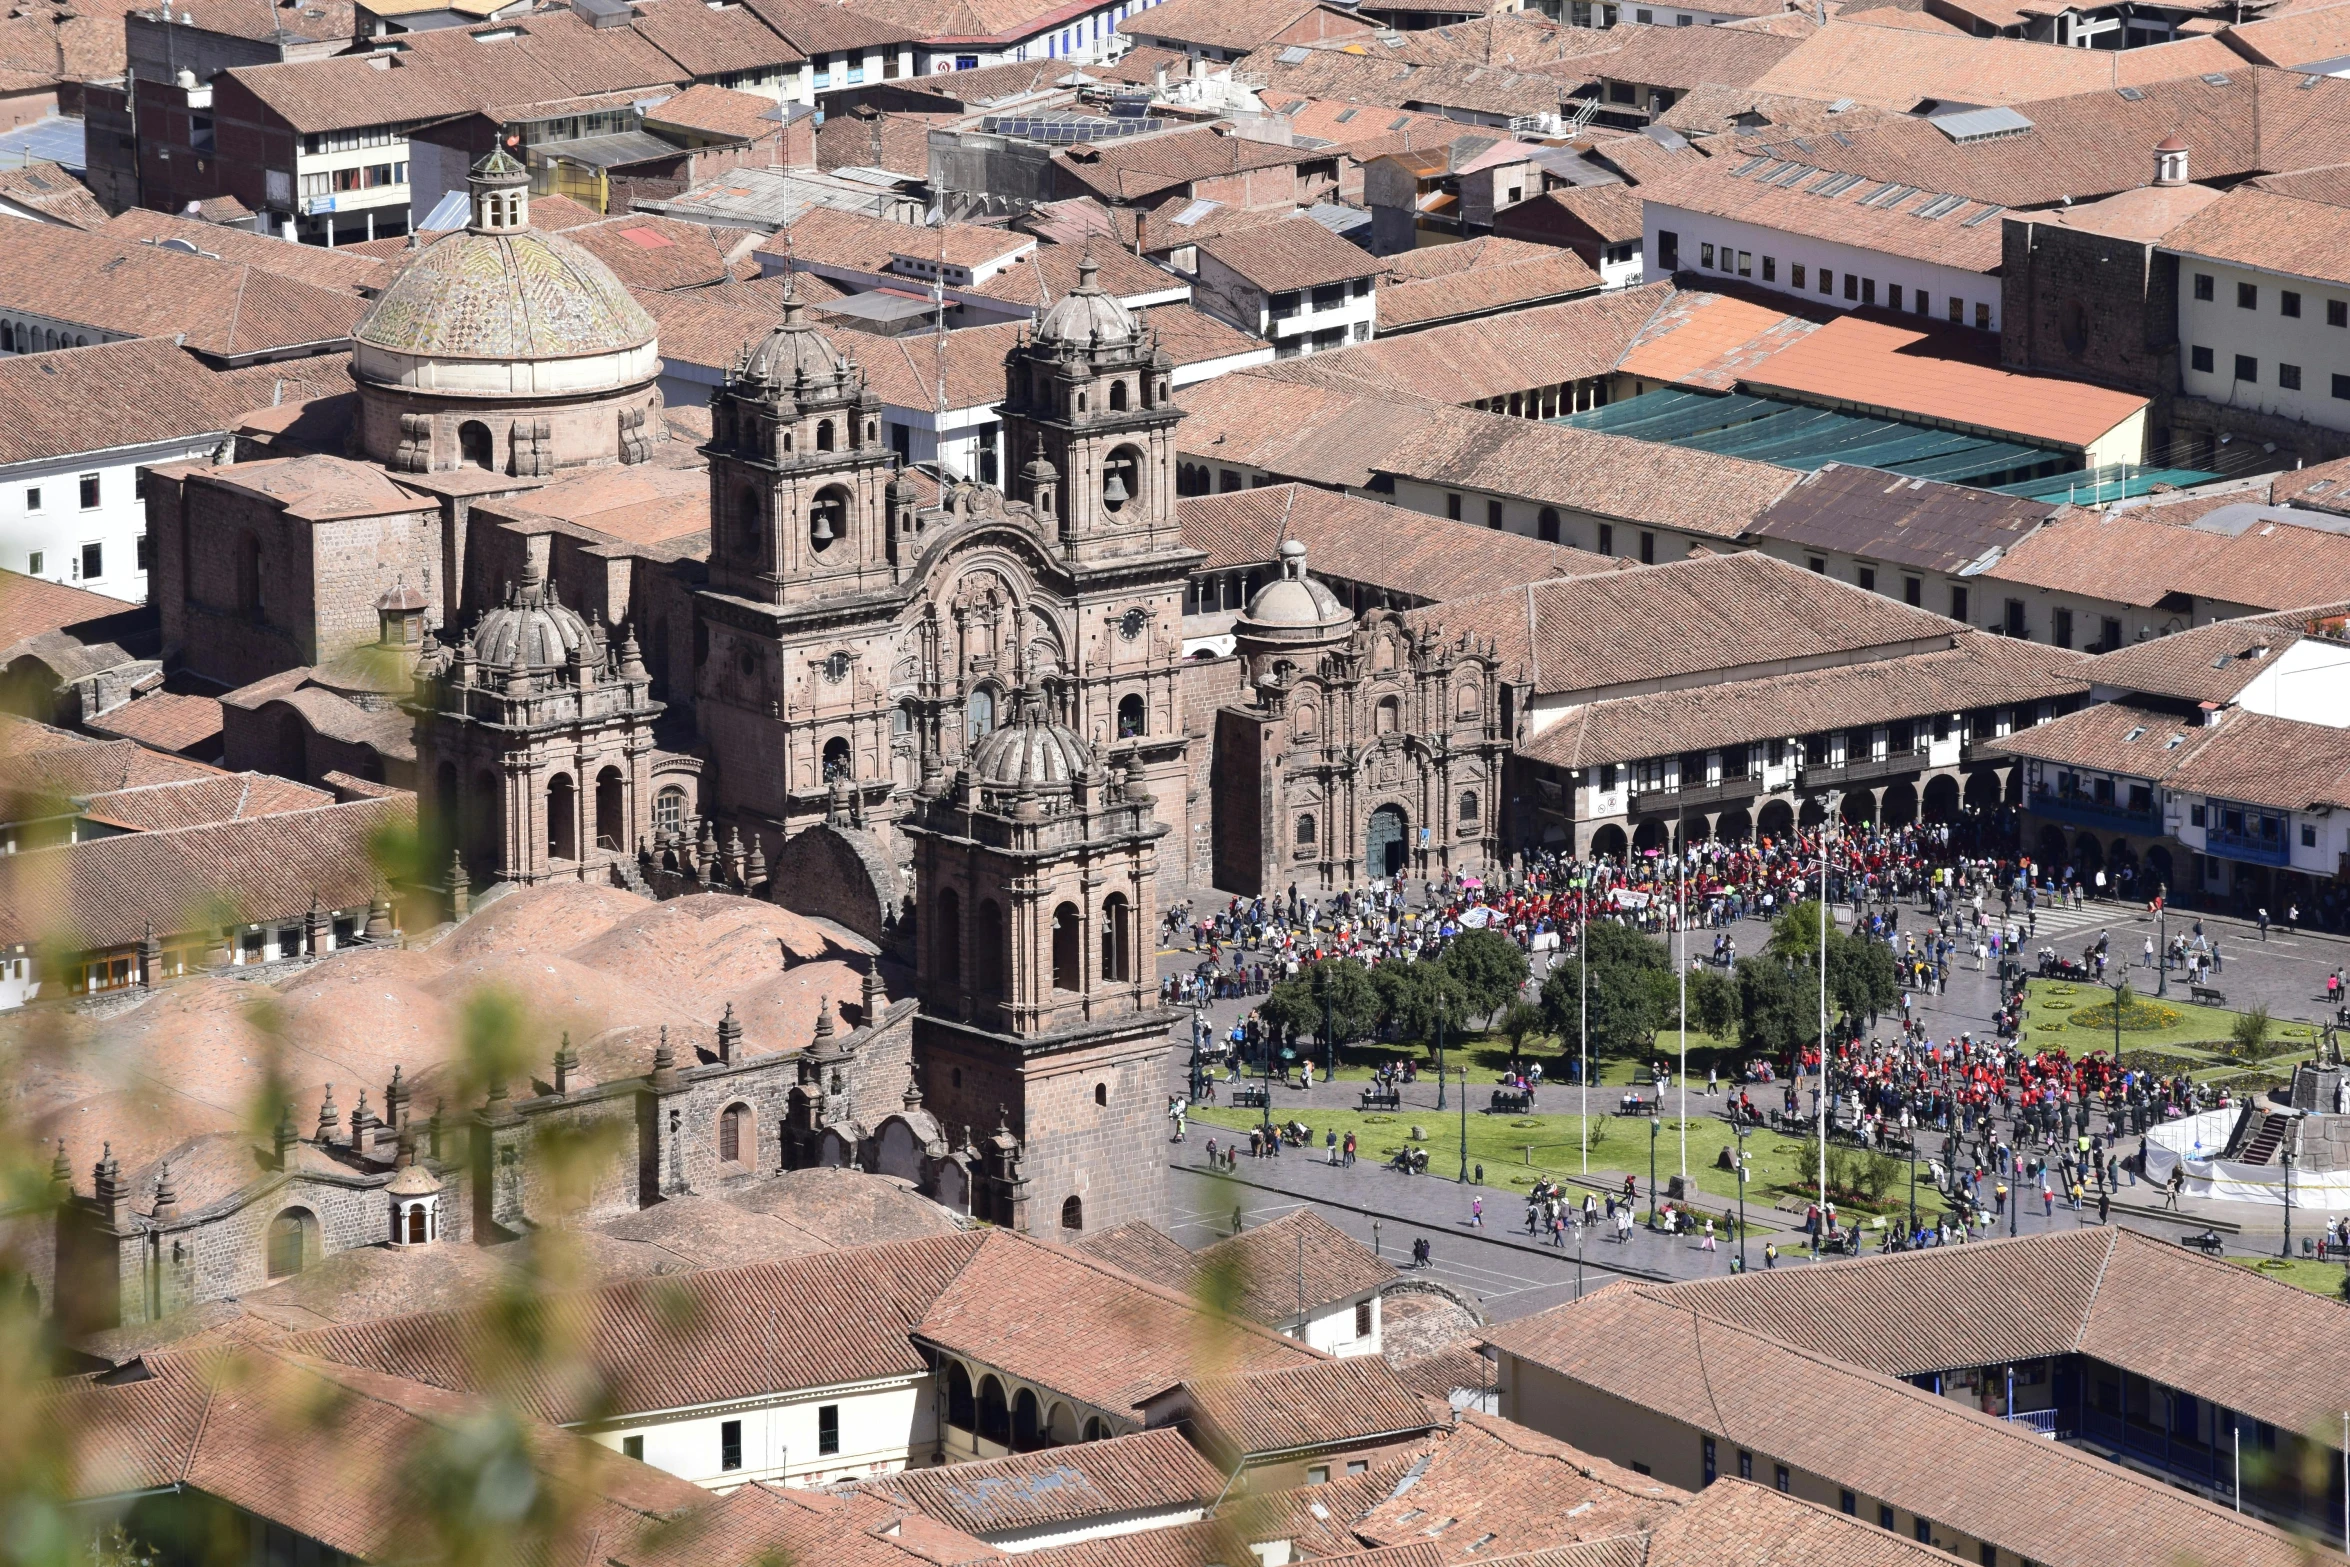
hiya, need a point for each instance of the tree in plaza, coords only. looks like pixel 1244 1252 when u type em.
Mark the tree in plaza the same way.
pixel 1415 998
pixel 1521 1020
pixel 1491 969
pixel 1862 978
pixel 1713 1002
pixel 1776 1011
pixel 1296 1003
pixel 1631 992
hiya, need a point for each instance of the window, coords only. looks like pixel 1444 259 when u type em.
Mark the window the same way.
pixel 2199 359
pixel 2289 303
pixel 2203 285
pixel 93 562
pixel 1923 1530
pixel 2060 627
pixel 1452 505
pixel 2247 368
pixel 1362 1327
pixel 2015 619
pixel 730 1445
pixel 1745 1465
pixel 1493 514
pixel 1607 538
pixel 2247 296
pixel 2289 377
pixel 1958 603
pixel 1827 281
pixel 1987 1554
pixel 1546 525
pixel 2109 632
pixel 1305 830
pixel 1852 285
pixel 1957 311
pixel 2195 815
pixel 827 1428
pixel 1982 318
pixel 1746 263
pixel 32 499
pixel 669 810
pixel 1705 255
pixel 1668 250
pixel 633 1447
pixel 1710 1467
pixel 731 1127
pixel 1318 1475
pixel 2308 836
pixel 1468 807
pixel 1868 579
pixel 1358 1466
pixel 1849 1502
pixel 1779 1476
pixel 1884 1516
pixel 146 555
pixel 1770 269
pixel 1913 592
pixel 1648 549
pixel 89 487
pixel 1795 275
pixel 2338 312
pixel 34 561
pixel 2342 386
pixel 1816 563
pixel 1868 290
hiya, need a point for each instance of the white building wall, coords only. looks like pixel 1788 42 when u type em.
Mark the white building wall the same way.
pixel 882 1424
pixel 1331 1328
pixel 45 530
pixel 2309 681
pixel 1768 258
pixel 2215 332
pixel 1581 530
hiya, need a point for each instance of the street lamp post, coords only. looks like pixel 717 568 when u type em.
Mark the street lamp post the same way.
pixel 1583 1018
pixel 1329 1027
pixel 2119 990
pixel 1738 1126
pixel 1681 963
pixel 1440 1060
pixel 2161 938
pixel 2287 1161
pixel 1830 802
pixel 1656 1124
pixel 1579 1261
pixel 1266 1109
pixel 1464 1126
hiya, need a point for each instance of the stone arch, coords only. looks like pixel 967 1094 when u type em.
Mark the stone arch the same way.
pixel 946 935
pixel 828 518
pixel 293 1242
pixel 1387 841
pixel 1060 1425
pixel 476 446
pixel 1096 1428
pixel 898 1150
pixel 1809 814
pixel 750 520
pixel 995 1412
pixel 1775 820
pixel 824 435
pixel 481 818
pixel 612 833
pixel 1982 789
pixel 1073 1214
pixel 1125 477
pixel 2088 854
pixel 1648 836
pixel 1068 935
pixel 1117 397
pixel 562 818
pixel 1027 1421
pixel 1608 842
pixel 837 764
pixel 1117 939
pixel 1941 798
pixel 962 1404
pixel 1546 525
pixel 840 874
pixel 2158 865
pixel 1901 804
pixel 2052 853
pixel 1857 808
pixel 1130 716
pixel 1734 825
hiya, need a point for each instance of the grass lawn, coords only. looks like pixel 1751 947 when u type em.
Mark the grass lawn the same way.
pixel 1488 1055
pixel 2319 1278
pixel 2196 1035
pixel 1517 1150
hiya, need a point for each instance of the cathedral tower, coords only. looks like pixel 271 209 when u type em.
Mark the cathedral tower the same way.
pixel 1039 995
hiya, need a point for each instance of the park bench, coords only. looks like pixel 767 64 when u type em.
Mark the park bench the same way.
pixel 1249 1096
pixel 2209 994
pixel 1633 1104
pixel 1382 1099
pixel 1512 1101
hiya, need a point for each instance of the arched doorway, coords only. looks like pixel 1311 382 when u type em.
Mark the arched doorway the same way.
pixel 1647 836
pixel 474 445
pixel 2158 865
pixel 1733 826
pixel 1982 789
pixel 1901 804
pixel 1073 1214
pixel 1809 814
pixel 961 1406
pixel 1027 1422
pixel 1384 847
pixel 995 1416
pixel 2088 854
pixel 1857 809
pixel 2052 847
pixel 1775 821
pixel 562 818
pixel 293 1242
pixel 611 817
pixel 1608 843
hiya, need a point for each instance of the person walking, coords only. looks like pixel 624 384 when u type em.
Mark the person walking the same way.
pixel 1477 1213
pixel 1709 1234
pixel 2171 1189
pixel 2104 1205
pixel 1350 1150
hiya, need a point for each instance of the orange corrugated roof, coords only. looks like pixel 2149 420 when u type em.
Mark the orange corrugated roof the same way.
pixel 1875 363
pixel 1703 337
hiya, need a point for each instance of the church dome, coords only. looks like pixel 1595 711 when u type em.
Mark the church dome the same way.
pixel 796 356
pixel 500 309
pixel 533 620
pixel 1088 315
pixel 1030 751
pixel 1293 604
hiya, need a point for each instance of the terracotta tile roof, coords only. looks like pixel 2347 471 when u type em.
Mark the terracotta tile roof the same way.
pixel 1303 1408
pixel 2144 215
pixel 1144 1472
pixel 109 396
pixel 1301 1252
pixel 1982 671
pixel 1673 624
pixel 32 605
pixel 867 138
pixel 116 284
pixel 1144 1250
pixel 2111 736
pixel 1878 364
pixel 164 721
pixel 859 241
pixel 1212 1542
pixel 312 264
pixel 1608 476
pixel 819 28
pixel 2128 556
pixel 238 1424
pixel 1521 1489
pixel 712 41
pixel 317 488
pixel 1785 195
pixel 719 111
pixel 2094 142
pixel 1367 130
pixel 1421 558
pixel 1049 271
pixel 1709 340
pixel 1191 336
pixel 2259 228
pixel 1143 166
pixel 1485 290
pixel 2280 763
pixel 1431 84
pixel 42 765
pixel 652 254
pixel 1294 253
pixel 2207 663
pixel 2294 39
pixel 1470 360
pixel 1739 1523
pixel 1954 1465
pixel 1909 522
pixel 197 802
pixel 1611 212
pixel 1066 1321
pixel 1897 68
pixel 47 188
pixel 1331 435
pixel 1233 25
pixel 642 505
pixel 1688 57
pixel 103 893
pixel 850 1319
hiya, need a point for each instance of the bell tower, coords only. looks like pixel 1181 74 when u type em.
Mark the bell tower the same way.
pixel 1033 870
pixel 1091 418
pixel 799 504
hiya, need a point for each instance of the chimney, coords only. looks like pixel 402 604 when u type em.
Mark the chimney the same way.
pixel 2170 162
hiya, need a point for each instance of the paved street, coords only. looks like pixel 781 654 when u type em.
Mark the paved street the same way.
pixel 1515 1275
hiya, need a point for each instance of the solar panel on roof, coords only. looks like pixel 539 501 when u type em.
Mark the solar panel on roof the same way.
pixel 1982 217
pixel 1837 184
pixel 1295 55
pixel 1941 207
pixel 1399 122
pixel 1345 115
pixel 1968 126
pixel 1791 174
pixel 1749 166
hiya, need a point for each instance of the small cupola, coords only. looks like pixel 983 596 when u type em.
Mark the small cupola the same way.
pixel 2170 162
pixel 501 193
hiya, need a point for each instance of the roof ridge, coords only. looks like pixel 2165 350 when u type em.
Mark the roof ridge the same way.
pixel 2097 1284
pixel 236 314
